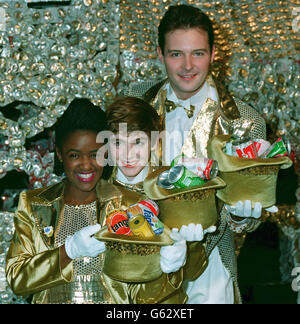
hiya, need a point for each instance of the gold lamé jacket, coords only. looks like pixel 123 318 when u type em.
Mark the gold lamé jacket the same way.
pixel 33 261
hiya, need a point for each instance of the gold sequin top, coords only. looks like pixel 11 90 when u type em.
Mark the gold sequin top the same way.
pixel 87 288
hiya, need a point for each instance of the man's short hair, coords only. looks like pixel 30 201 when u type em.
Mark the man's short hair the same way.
pixel 135 112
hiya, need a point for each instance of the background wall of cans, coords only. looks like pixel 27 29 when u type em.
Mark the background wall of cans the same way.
pixel 94 48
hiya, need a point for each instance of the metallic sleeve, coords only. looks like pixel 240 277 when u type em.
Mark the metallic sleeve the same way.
pixel 31 266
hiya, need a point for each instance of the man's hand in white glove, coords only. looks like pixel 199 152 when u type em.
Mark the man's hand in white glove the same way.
pixel 194 232
pixel 172 257
pixel 244 209
pixel 83 244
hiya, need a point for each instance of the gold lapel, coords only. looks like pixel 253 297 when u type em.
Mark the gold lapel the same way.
pixel 202 129
pixel 109 198
pixel 213 118
pixel 46 204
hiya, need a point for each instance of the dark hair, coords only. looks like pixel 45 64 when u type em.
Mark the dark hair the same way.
pixel 135 112
pixel 81 114
pixel 184 17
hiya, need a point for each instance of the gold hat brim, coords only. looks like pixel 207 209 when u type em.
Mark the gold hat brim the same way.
pixel 229 163
pixel 155 192
pixel 162 239
pixel 246 179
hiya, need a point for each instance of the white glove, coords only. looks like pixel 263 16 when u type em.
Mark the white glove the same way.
pixel 173 257
pixel 192 232
pixel 244 209
pixel 82 244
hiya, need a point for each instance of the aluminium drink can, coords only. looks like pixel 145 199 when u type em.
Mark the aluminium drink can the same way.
pixel 181 177
pixel 277 149
pixel 150 205
pixel 244 148
pixel 140 227
pixel 149 210
pixel 163 180
pixel 204 168
pixel 117 222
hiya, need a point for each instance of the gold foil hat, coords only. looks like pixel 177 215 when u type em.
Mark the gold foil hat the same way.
pixel 131 259
pixel 183 206
pixel 246 179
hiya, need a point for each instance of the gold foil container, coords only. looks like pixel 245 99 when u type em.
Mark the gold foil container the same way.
pixel 246 179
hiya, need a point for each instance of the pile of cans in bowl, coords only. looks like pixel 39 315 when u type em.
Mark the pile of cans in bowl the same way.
pixel 257 148
pixel 140 219
pixel 188 172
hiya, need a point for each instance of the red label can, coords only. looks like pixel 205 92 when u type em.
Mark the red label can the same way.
pixel 150 205
pixel 117 222
pixel 245 149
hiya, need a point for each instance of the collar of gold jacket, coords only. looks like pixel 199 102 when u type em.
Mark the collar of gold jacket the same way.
pixel 47 203
pixel 227 106
pixel 47 196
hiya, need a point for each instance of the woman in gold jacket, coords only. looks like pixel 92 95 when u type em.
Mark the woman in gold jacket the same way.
pixel 53 255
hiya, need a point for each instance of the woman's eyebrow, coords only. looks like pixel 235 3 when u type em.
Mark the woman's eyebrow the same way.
pixel 78 151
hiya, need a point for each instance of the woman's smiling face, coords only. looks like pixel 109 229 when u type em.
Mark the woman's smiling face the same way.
pixel 78 154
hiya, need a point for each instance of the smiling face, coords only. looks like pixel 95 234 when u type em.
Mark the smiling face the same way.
pixel 187 57
pixel 78 154
pixel 131 153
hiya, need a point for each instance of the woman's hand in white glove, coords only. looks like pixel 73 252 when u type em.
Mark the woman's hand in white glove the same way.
pixel 194 232
pixel 244 209
pixel 83 244
pixel 172 257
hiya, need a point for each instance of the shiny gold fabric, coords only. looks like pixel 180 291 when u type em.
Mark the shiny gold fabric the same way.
pixel 132 259
pixel 33 261
pixel 228 116
pixel 132 267
pixel 157 240
pixel 196 262
pixel 246 179
pixel 167 289
pixel 184 206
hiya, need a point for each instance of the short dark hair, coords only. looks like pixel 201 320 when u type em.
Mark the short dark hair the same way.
pixel 81 114
pixel 135 112
pixel 184 17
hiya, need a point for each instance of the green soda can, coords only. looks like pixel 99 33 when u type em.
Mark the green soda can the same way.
pixel 277 149
pixel 181 177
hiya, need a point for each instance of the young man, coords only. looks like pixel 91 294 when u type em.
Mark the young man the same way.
pixel 131 122
pixel 194 107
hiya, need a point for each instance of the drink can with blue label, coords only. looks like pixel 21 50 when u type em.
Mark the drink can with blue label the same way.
pixel 149 210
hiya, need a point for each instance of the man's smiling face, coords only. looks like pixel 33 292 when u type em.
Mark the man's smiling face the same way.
pixel 187 58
